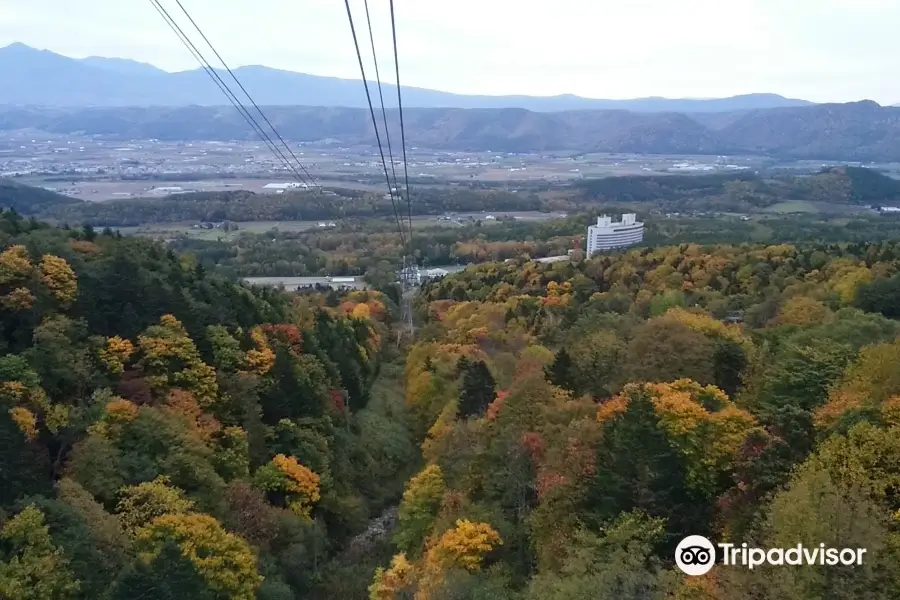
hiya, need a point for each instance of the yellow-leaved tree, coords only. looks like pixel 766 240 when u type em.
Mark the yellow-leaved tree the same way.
pixel 25 421
pixel 849 282
pixel 225 561
pixel 171 359
pixel 260 358
pixel 58 277
pixel 462 547
pixel 420 505
pixel 287 476
pixel 140 504
pixel 872 381
pixel 114 354
pixel 30 407
pixel 15 271
pixel 802 310
pixel 700 422
pixel 397 579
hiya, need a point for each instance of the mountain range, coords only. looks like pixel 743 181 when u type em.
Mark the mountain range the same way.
pixel 43 78
pixel 125 99
pixel 860 131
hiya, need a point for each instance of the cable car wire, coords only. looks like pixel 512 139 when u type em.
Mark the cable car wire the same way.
pixel 402 127
pixel 362 71
pixel 223 87
pixel 387 133
pixel 246 93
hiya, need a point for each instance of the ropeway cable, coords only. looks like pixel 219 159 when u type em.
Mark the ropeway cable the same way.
pixel 387 133
pixel 362 71
pixel 223 87
pixel 402 127
pixel 246 93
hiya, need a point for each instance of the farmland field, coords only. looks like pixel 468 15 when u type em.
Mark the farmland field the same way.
pixel 805 206
pixel 793 206
pixel 163 230
pixel 178 229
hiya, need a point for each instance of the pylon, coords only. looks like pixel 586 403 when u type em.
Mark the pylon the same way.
pixel 409 281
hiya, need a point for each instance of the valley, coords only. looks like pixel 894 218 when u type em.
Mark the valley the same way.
pixel 460 346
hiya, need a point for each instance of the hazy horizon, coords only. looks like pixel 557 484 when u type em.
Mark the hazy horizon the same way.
pixel 823 51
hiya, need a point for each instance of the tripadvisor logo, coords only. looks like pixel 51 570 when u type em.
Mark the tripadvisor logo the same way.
pixel 696 555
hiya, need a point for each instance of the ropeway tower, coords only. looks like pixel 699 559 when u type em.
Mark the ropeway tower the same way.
pixel 409 278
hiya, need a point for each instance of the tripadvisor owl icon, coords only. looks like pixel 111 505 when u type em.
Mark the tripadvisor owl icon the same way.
pixel 695 555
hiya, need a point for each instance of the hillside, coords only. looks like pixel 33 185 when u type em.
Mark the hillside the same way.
pixel 580 421
pixel 166 433
pixel 861 131
pixel 30 200
pixel 44 78
pixel 742 191
pixel 551 433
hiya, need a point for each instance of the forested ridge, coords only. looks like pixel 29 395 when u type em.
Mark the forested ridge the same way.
pixel 28 199
pixel 166 433
pixel 747 190
pixel 579 419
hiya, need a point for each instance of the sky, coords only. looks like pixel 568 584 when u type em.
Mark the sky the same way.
pixel 819 50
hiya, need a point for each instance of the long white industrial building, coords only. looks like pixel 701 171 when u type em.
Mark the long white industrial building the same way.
pixel 608 234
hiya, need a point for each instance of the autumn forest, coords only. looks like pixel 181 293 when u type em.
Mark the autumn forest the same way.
pixel 549 432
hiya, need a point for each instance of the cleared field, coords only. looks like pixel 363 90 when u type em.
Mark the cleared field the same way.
pixel 793 206
pixel 809 207
pixel 163 230
pixel 178 229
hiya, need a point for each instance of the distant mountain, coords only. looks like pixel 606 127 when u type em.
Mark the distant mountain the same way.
pixel 122 65
pixel 28 200
pixel 859 131
pixel 43 78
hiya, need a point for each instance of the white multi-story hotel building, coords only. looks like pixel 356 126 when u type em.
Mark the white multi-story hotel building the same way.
pixel 607 234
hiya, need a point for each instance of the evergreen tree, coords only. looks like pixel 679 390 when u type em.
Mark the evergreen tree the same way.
pixel 168 576
pixel 462 365
pixel 561 372
pixel 478 390
pixel 26 469
pixel 730 360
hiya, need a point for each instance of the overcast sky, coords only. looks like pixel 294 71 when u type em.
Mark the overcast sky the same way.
pixel 820 50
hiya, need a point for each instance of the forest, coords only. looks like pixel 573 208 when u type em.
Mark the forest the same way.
pixel 169 434
pixel 372 249
pixel 579 419
pixel 551 432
